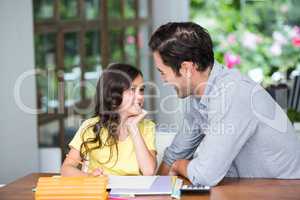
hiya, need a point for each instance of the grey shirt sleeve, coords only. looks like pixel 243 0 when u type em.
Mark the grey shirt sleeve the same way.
pixel 186 140
pixel 229 127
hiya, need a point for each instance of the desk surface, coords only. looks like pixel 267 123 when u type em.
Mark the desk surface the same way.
pixel 228 189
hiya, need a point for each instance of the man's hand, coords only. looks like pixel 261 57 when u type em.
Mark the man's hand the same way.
pixel 179 167
pixel 163 169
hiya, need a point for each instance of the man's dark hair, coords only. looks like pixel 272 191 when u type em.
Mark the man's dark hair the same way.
pixel 177 42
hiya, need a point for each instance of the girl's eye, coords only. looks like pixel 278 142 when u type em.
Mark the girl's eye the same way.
pixel 137 89
pixel 132 89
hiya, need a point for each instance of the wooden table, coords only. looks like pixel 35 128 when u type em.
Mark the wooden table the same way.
pixel 229 188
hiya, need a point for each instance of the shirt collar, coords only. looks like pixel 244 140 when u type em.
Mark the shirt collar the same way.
pixel 215 72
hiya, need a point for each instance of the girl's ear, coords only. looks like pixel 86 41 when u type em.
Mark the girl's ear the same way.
pixel 186 69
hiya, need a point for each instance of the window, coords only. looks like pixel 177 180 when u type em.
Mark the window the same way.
pixel 74 41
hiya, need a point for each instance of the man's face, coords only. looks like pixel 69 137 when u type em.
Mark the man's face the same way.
pixel 168 76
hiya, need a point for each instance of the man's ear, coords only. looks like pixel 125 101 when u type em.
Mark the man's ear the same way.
pixel 186 69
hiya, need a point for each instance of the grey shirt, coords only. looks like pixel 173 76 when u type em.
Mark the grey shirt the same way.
pixel 235 129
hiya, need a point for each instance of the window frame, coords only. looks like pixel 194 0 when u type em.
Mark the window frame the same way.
pixel 82 26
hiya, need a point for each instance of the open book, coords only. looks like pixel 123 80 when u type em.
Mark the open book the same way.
pixel 140 185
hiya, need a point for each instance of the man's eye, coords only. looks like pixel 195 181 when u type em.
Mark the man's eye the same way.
pixel 142 89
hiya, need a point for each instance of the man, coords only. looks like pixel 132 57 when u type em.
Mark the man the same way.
pixel 232 127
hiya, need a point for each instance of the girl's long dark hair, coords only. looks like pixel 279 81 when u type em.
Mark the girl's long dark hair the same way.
pixel 110 87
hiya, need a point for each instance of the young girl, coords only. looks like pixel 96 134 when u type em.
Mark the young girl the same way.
pixel 117 140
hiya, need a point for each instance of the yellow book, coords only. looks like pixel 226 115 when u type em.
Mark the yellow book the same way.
pixel 57 187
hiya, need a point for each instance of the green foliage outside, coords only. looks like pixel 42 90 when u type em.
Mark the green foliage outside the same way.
pixel 293 115
pixel 258 37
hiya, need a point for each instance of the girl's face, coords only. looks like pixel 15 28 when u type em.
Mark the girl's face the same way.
pixel 133 98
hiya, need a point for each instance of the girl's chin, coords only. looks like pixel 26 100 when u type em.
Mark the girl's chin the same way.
pixel 135 111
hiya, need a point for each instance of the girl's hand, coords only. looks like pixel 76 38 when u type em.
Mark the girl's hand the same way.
pixel 132 122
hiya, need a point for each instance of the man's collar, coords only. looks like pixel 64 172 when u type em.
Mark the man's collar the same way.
pixel 214 73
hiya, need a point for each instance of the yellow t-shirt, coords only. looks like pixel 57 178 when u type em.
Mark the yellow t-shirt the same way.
pixel 127 163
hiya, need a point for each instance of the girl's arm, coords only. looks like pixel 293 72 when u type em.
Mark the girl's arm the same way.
pixel 70 165
pixel 146 158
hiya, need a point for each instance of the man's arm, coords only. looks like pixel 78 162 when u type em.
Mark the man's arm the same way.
pixel 163 169
pixel 228 130
pixel 179 167
pixel 186 140
pixel 183 146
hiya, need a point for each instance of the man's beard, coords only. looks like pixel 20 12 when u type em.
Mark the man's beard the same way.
pixel 181 92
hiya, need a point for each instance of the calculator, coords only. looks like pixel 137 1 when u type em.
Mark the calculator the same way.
pixel 194 189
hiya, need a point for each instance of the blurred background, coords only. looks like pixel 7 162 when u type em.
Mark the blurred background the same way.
pixel 53 51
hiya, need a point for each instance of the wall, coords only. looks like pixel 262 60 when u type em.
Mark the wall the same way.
pixel 18 130
pixel 169 106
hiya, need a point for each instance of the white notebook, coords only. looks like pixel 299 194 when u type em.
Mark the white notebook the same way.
pixel 140 185
pixel 130 182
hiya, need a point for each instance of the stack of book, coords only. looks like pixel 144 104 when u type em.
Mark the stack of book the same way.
pixel 74 188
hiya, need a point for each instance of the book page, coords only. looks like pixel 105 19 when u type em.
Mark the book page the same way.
pixel 131 182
